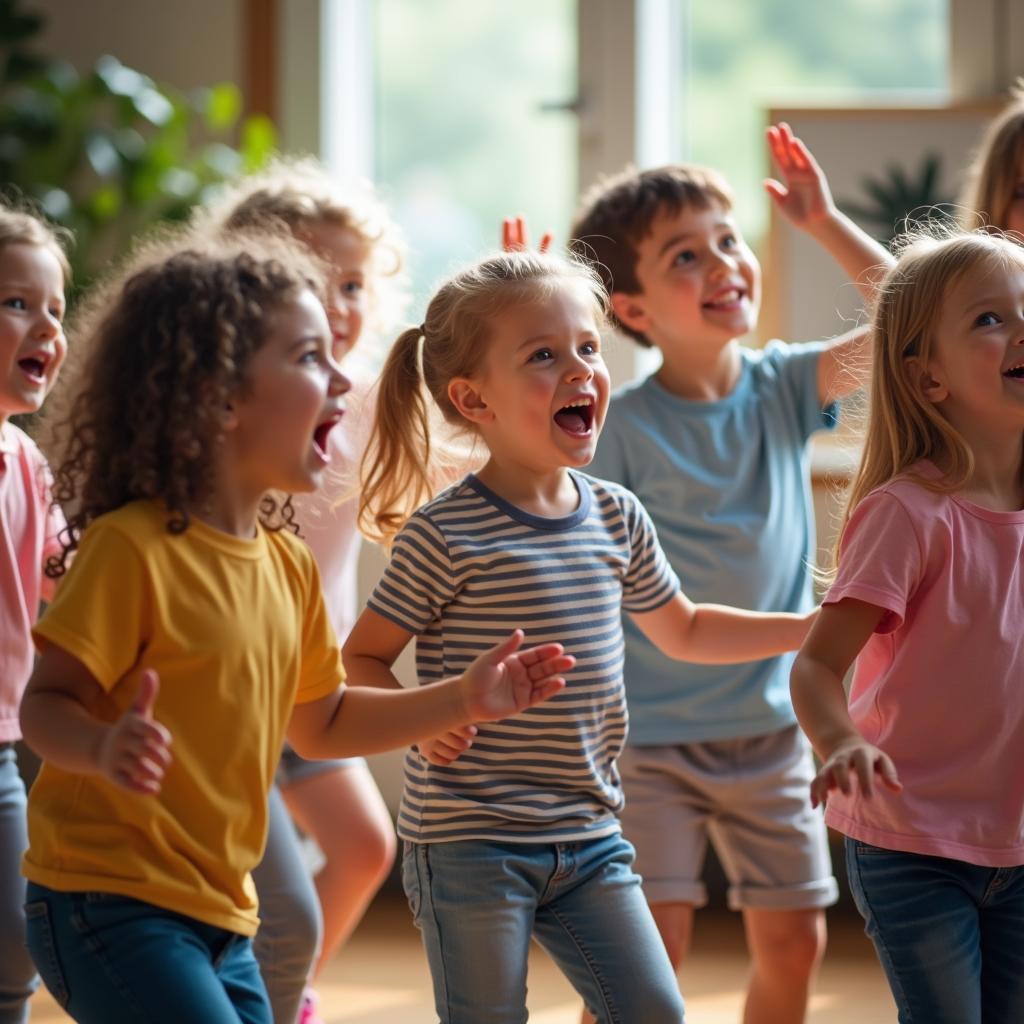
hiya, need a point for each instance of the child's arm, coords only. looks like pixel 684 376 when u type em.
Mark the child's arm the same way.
pixel 816 685
pixel 365 719
pixel 59 723
pixel 714 634
pixel 804 198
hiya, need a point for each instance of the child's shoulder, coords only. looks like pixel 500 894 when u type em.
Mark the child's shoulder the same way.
pixel 608 495
pixel 14 441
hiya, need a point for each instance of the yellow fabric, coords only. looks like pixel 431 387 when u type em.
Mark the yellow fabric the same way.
pixel 238 632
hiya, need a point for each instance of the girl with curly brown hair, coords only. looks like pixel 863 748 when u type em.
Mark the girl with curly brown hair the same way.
pixel 191 633
pixel 33 275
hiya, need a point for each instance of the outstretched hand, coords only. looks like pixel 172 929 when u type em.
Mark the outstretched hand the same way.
pixel 515 238
pixel 448 746
pixel 854 759
pixel 505 680
pixel 135 751
pixel 803 195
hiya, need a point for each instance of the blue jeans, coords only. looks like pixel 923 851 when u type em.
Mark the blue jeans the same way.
pixel 17 975
pixel 113 960
pixel 478 903
pixel 950 935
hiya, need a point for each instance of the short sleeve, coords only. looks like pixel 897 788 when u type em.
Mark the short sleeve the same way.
pixel 54 525
pixel 650 581
pixel 880 561
pixel 322 669
pixel 417 584
pixel 794 369
pixel 100 613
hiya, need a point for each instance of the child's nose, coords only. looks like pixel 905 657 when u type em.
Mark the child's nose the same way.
pixel 579 370
pixel 339 384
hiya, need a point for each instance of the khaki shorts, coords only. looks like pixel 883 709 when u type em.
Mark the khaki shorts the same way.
pixel 751 798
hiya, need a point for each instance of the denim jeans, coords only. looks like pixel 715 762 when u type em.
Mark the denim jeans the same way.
pixel 478 903
pixel 113 960
pixel 950 935
pixel 17 975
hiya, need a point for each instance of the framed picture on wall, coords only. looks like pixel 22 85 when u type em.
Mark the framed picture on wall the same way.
pixel 883 165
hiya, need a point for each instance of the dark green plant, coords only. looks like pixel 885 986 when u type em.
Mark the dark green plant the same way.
pixel 900 199
pixel 109 153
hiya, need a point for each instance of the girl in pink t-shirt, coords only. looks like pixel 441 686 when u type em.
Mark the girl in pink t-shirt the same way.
pixel 33 274
pixel 923 769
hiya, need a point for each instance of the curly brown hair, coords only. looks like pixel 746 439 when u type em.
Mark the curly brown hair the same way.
pixel 141 415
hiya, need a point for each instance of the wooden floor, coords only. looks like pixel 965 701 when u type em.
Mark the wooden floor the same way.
pixel 381 977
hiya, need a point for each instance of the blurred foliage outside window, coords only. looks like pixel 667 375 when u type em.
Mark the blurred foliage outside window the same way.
pixel 109 153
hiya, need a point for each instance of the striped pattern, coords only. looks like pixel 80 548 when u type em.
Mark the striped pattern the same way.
pixel 465 571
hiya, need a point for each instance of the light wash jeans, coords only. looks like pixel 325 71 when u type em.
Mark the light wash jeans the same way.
pixel 288 941
pixel 109 959
pixel 478 904
pixel 17 974
pixel 950 935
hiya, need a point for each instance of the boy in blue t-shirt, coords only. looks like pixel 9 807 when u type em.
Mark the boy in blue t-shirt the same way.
pixel 715 446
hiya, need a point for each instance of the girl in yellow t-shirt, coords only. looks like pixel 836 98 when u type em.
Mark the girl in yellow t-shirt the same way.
pixel 190 634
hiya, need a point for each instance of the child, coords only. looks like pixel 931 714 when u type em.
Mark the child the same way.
pixel 33 274
pixel 994 186
pixel 336 802
pixel 518 836
pixel 923 772
pixel 189 633
pixel 714 444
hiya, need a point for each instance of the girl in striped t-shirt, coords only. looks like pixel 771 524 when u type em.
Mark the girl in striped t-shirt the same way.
pixel 510 828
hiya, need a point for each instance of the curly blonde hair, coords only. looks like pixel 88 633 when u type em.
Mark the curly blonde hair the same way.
pixel 297 195
pixel 161 349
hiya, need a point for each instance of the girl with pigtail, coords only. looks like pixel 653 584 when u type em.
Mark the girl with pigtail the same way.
pixel 511 828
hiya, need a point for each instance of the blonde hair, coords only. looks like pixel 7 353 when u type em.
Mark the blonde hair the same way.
pixel 396 472
pixel 903 426
pixel 295 195
pixel 994 172
pixel 23 226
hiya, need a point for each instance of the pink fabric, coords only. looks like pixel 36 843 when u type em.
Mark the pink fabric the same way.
pixel 940 685
pixel 29 531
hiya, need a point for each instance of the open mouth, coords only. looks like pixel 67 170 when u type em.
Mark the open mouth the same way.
pixel 34 367
pixel 320 436
pixel 576 418
pixel 727 299
pixel 1015 372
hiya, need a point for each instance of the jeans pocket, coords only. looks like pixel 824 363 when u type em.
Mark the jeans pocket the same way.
pixel 42 946
pixel 411 878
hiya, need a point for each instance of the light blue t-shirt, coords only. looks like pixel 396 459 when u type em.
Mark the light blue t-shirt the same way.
pixel 466 570
pixel 726 484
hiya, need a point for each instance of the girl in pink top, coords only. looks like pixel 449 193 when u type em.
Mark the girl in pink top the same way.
pixel 923 770
pixel 33 275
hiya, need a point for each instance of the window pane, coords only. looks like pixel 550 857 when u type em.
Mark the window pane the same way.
pixel 461 136
pixel 745 56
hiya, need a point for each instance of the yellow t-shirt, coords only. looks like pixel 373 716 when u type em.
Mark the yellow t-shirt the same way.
pixel 238 632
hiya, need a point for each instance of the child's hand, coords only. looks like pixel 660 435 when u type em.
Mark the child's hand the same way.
pixel 803 195
pixel 448 746
pixel 514 237
pixel 858 758
pixel 505 680
pixel 136 750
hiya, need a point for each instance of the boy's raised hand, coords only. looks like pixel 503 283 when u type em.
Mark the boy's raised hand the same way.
pixel 135 751
pixel 854 758
pixel 803 195
pixel 505 680
pixel 515 238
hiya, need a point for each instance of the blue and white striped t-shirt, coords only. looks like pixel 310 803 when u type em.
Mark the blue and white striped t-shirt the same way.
pixel 466 570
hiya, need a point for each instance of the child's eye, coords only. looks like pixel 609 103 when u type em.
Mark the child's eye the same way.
pixel 352 287
pixel 541 355
pixel 684 256
pixel 987 319
pixel 589 348
pixel 729 242
pixel 16 303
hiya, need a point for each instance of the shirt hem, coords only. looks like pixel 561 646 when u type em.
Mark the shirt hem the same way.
pixel 609 829
pixel 724 731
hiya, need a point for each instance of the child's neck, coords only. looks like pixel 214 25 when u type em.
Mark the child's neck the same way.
pixel 995 481
pixel 549 495
pixel 700 374
pixel 230 513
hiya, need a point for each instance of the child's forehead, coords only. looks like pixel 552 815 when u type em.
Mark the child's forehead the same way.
pixel 671 224
pixel 27 263
pixel 339 244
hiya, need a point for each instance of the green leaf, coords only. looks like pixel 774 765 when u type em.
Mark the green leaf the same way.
pixel 258 141
pixel 105 203
pixel 223 106
pixel 154 106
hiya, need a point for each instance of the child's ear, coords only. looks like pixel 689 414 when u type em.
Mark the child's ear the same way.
pixel 926 380
pixel 630 311
pixel 470 404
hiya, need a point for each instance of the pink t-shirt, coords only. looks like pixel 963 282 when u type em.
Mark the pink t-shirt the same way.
pixel 939 686
pixel 30 529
